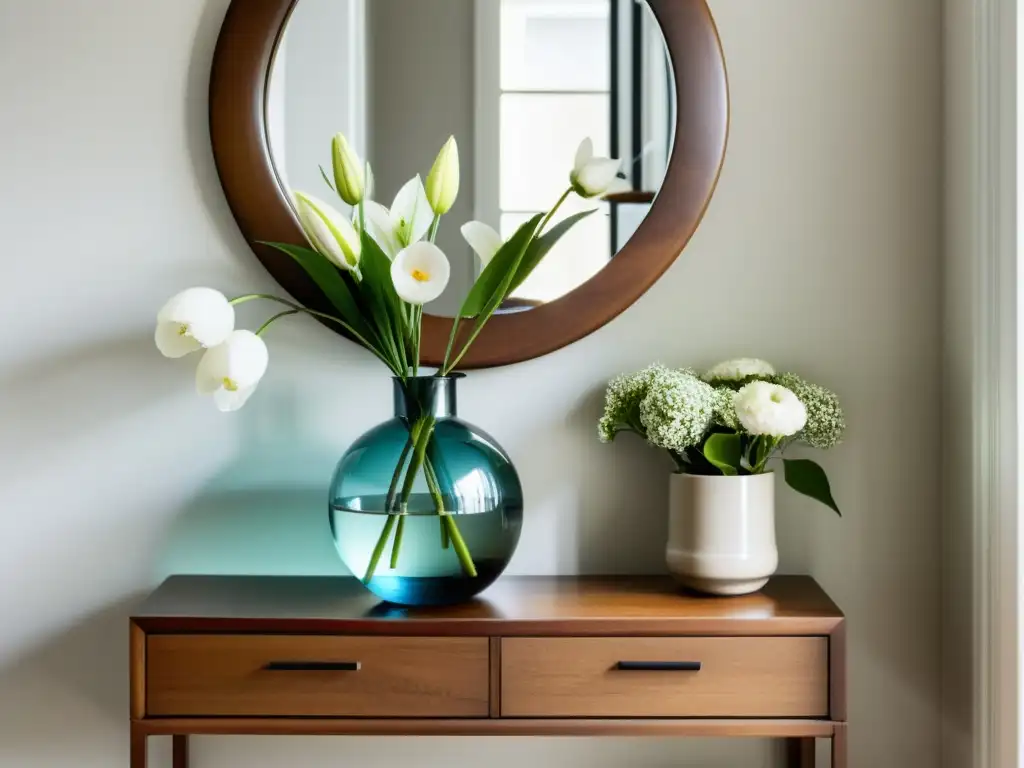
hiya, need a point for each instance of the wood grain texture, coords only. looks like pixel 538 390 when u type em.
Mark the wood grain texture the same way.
pixel 739 677
pixel 495 710
pixel 800 753
pixel 514 606
pixel 136 671
pixel 837 672
pixel 490 727
pixel 245 50
pixel 179 751
pixel 226 675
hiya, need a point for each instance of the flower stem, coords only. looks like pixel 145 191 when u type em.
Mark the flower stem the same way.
pixel 274 319
pixel 465 559
pixel 551 213
pixel 398 540
pixel 379 549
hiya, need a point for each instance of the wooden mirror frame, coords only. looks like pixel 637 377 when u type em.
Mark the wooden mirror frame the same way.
pixel 241 71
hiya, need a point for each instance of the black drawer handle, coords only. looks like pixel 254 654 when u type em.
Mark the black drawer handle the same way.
pixel 658 666
pixel 312 666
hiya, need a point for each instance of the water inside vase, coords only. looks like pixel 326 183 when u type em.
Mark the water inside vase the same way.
pixel 426 573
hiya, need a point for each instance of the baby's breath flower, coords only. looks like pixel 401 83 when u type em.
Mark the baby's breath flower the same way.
pixel 622 402
pixel 740 369
pixel 677 410
pixel 725 409
pixel 825 420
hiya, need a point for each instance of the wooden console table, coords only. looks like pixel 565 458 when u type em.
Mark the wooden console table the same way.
pixel 587 656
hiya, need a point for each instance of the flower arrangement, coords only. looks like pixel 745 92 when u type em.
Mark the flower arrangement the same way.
pixel 376 268
pixel 731 420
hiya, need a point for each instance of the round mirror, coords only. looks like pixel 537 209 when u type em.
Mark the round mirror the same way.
pixel 519 83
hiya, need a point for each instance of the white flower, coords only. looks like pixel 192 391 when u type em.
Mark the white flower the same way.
pixel 349 175
pixel 769 409
pixel 406 223
pixel 330 233
pixel 420 273
pixel 443 181
pixel 231 371
pixel 483 239
pixel 739 369
pixel 595 176
pixel 193 319
pixel 677 410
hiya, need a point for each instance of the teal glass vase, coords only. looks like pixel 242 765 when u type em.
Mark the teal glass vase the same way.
pixel 426 509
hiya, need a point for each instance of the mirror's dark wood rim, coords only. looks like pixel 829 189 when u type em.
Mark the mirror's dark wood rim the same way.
pixel 237 89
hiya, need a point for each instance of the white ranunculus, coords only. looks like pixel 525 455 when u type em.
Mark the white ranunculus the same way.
pixel 193 319
pixel 483 239
pixel 764 408
pixel 420 273
pixel 595 176
pixel 231 371
pixel 349 173
pixel 330 233
pixel 406 223
pixel 443 181
pixel 739 369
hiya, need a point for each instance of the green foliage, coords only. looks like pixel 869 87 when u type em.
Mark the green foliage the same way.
pixel 541 246
pixel 725 451
pixel 806 477
pixel 491 288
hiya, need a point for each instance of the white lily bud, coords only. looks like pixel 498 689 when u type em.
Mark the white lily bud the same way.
pixel 443 181
pixel 594 176
pixel 193 319
pixel 483 239
pixel 231 371
pixel 330 233
pixel 420 273
pixel 349 175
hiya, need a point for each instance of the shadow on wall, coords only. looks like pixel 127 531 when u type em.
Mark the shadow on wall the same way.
pixel 266 511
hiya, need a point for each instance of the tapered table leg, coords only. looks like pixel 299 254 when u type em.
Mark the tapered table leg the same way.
pixel 180 748
pixel 839 746
pixel 799 753
pixel 138 748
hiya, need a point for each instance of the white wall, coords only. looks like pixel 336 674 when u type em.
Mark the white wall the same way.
pixel 821 251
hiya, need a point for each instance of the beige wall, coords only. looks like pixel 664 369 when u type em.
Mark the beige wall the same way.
pixel 821 251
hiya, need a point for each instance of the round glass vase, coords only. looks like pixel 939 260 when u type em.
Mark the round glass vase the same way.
pixel 426 509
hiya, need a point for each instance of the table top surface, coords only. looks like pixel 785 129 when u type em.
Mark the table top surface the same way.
pixel 515 605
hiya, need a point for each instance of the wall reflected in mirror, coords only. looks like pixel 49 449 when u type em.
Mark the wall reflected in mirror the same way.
pixel 518 82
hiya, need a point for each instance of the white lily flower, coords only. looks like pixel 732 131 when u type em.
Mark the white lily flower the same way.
pixel 406 223
pixel 193 319
pixel 443 181
pixel 483 239
pixel 330 233
pixel 231 371
pixel 349 173
pixel 420 273
pixel 595 176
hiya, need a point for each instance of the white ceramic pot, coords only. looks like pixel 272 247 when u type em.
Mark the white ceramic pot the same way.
pixel 721 532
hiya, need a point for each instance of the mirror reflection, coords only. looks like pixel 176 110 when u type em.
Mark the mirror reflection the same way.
pixel 518 82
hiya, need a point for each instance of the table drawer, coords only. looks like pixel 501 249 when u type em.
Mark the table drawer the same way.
pixel 659 677
pixel 316 676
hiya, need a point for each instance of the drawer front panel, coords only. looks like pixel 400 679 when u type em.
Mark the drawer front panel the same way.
pixel 664 677
pixel 316 676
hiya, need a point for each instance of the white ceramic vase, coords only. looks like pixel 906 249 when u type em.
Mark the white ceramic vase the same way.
pixel 721 532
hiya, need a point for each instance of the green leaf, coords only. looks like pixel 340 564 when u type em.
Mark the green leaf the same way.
pixel 387 309
pixel 724 451
pixel 327 179
pixel 331 282
pixel 806 477
pixel 493 284
pixel 540 247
